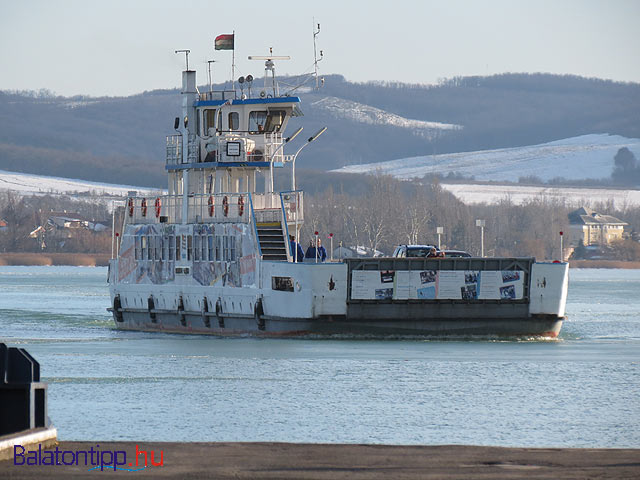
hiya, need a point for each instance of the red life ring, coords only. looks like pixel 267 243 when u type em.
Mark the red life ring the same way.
pixel 211 206
pixel 158 205
pixel 240 206
pixel 225 206
pixel 131 207
pixel 143 206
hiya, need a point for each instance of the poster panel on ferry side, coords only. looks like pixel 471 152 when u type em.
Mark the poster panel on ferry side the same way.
pixel 372 284
pixel 437 284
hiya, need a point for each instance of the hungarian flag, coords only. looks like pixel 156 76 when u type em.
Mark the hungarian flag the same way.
pixel 224 42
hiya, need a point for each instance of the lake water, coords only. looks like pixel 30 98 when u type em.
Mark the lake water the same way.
pixel 582 390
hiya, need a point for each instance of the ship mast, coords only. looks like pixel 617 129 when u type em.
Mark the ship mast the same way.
pixel 315 54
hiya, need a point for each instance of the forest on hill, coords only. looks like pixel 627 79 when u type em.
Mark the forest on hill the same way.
pixel 122 139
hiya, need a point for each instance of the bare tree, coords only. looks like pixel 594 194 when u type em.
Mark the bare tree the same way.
pixel 13 210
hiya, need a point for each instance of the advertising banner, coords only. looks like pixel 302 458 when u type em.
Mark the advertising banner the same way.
pixel 437 284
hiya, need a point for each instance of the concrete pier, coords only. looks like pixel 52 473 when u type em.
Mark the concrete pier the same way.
pixel 279 461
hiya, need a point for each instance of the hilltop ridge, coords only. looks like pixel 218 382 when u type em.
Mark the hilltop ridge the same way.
pixel 121 139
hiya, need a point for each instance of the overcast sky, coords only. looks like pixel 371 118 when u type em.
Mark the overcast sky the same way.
pixel 118 47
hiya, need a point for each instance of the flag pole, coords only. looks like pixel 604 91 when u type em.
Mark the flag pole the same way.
pixel 233 63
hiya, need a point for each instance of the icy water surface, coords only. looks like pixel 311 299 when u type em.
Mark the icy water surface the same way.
pixel 582 390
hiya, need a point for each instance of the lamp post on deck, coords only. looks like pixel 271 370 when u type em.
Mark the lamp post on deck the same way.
pixel 331 240
pixel 439 231
pixel 481 223
pixel 316 245
pixel 293 170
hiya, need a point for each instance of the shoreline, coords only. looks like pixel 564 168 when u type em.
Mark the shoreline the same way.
pixel 102 260
pixel 268 460
pixel 55 259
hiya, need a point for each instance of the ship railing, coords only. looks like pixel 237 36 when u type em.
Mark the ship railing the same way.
pixel 265 201
pixel 262 148
pixel 267 207
pixel 174 150
pixel 218 95
pixel 292 206
pixel 202 208
pixel 232 146
pixel 245 146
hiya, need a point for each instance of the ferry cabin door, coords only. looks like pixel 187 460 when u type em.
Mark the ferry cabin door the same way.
pixel 209 119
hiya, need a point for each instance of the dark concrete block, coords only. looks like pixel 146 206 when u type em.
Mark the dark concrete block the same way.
pixel 23 398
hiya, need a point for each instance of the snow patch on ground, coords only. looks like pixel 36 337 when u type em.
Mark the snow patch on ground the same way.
pixel 490 194
pixel 27 184
pixel 587 156
pixel 361 113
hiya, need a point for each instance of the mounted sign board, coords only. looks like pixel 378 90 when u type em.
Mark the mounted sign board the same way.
pixel 233 149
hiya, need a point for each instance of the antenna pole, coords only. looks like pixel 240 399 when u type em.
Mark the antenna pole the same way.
pixel 273 74
pixel 186 52
pixel 210 82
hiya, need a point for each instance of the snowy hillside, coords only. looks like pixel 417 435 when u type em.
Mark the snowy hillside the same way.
pixel 361 113
pixel 26 184
pixel 470 193
pixel 587 156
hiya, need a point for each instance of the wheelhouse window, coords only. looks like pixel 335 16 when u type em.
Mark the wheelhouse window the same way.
pixel 209 117
pixel 262 121
pixel 234 121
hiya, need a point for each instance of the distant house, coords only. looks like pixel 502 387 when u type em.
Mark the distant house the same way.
pixel 65 221
pixel 593 228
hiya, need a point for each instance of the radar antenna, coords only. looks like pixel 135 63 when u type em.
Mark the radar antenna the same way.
pixel 269 66
pixel 209 62
pixel 186 53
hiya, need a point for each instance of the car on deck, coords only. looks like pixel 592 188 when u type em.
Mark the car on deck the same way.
pixel 403 251
pixel 456 253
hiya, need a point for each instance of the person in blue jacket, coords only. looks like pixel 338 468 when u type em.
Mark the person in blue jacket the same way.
pixel 295 247
pixel 311 252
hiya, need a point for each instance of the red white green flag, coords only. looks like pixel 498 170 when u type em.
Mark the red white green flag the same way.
pixel 224 42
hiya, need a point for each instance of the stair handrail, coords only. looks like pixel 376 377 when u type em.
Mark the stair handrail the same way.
pixel 255 224
pixel 285 229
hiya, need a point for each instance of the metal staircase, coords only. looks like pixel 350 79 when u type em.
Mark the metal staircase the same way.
pixel 272 242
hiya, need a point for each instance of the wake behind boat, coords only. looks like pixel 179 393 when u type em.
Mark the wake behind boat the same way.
pixel 214 256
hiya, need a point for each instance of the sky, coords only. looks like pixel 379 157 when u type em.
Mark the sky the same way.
pixel 118 48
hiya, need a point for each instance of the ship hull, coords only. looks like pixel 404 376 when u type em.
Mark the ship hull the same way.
pixel 368 297
pixel 196 323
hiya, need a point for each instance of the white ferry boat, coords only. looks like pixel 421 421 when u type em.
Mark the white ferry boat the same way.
pixel 213 255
